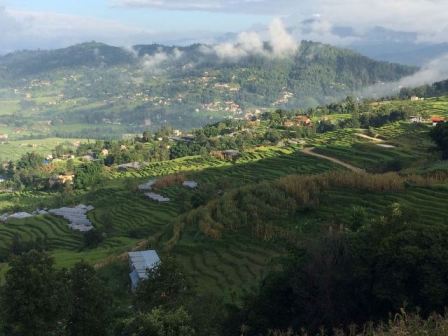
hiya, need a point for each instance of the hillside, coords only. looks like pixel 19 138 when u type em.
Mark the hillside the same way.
pixel 360 181
pixel 95 90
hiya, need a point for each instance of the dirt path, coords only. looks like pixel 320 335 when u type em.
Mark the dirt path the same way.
pixel 310 151
pixel 369 137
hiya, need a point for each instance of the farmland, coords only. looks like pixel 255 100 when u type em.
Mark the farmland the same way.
pixel 14 149
pixel 233 264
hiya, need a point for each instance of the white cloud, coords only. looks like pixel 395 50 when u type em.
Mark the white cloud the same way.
pixel 281 43
pixel 426 17
pixel 153 63
pixel 32 30
pixel 434 71
pixel 234 6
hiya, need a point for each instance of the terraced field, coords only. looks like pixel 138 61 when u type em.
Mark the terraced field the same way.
pixel 410 146
pixel 432 106
pixel 261 163
pixel 14 149
pixel 422 201
pixel 53 230
pixel 232 266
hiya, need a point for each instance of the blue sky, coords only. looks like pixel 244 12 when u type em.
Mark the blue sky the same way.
pixel 30 24
pixel 149 18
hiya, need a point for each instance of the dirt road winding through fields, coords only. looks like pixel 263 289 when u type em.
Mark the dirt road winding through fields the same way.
pixel 310 151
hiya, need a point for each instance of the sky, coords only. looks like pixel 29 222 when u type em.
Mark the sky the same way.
pixel 32 24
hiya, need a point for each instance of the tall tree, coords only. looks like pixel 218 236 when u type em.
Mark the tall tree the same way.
pixel 89 309
pixel 166 286
pixel 33 296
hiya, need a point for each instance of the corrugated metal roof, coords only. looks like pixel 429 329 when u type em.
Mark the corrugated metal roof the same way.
pixel 142 261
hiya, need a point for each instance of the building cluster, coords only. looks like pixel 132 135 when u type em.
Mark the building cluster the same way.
pixel 298 121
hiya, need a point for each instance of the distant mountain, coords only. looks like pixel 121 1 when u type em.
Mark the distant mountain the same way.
pixel 26 63
pixel 185 86
pixel 379 43
pixel 393 46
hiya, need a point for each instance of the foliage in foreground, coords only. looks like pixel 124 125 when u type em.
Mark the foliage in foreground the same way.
pixel 356 276
pixel 400 325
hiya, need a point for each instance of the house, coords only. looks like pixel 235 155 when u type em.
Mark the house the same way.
pixel 139 264
pixel 415 98
pixel 288 123
pixel 61 180
pixel 129 166
pixel 299 121
pixel 303 120
pixel 231 154
pixel 437 120
pixel 416 119
pixel 104 152
pixel 3 136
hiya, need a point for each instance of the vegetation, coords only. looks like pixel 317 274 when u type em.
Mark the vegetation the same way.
pixel 440 136
pixel 272 238
pixel 97 91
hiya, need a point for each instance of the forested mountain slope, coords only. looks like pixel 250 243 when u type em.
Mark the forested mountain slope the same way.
pixel 150 85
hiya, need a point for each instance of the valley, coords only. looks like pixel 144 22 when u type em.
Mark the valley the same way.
pixel 253 181
pixel 229 262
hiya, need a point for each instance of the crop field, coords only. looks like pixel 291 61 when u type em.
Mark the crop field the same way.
pixel 422 201
pixel 231 266
pixel 261 163
pixel 129 217
pixel 13 150
pixel 9 106
pixel 53 230
pixel 408 144
pixel 432 106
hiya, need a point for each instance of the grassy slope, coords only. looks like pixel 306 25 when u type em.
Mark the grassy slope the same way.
pixel 232 265
pixel 13 150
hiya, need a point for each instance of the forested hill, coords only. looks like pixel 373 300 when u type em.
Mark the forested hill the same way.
pixel 184 86
pixel 431 90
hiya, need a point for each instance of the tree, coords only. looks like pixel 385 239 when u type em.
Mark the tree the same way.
pixel 393 262
pixel 160 322
pixel 93 238
pixel 89 308
pixel 33 296
pixel 146 136
pixel 166 286
pixel 439 134
pixel 30 160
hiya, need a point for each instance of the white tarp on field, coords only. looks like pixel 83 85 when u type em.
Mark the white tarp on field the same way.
pixel 190 184
pixel 147 186
pixel 17 215
pixel 77 217
pixel 157 197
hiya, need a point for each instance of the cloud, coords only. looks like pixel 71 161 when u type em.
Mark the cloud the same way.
pixel 153 63
pixel 33 30
pixel 426 17
pixel 434 71
pixel 280 43
pixel 232 6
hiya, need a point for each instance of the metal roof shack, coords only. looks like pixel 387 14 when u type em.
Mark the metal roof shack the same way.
pixel 140 262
